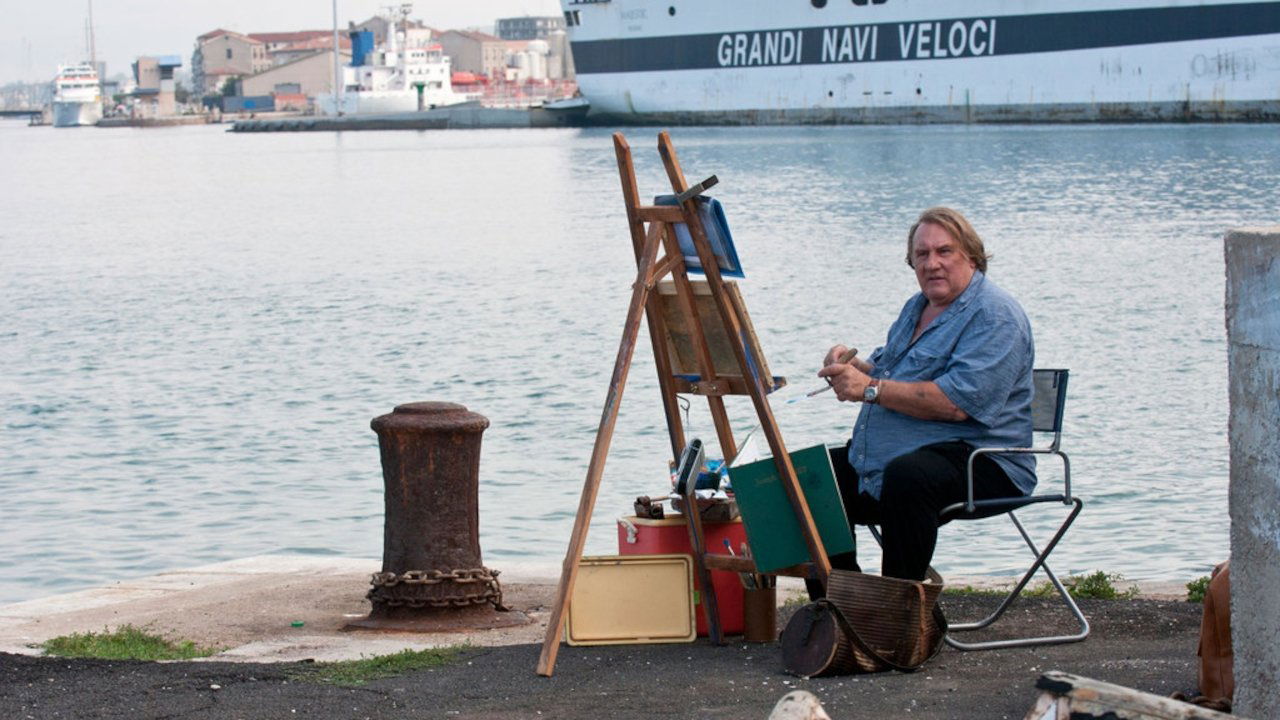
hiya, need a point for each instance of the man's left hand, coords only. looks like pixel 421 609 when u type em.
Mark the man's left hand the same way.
pixel 848 381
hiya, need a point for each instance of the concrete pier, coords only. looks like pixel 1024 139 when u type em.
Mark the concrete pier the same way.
pixel 270 608
pixel 249 607
pixel 460 117
pixel 269 613
pixel 1253 339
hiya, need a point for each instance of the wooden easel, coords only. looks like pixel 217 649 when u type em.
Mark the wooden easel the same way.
pixel 660 232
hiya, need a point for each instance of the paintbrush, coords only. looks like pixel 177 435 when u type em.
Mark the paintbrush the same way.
pixel 844 359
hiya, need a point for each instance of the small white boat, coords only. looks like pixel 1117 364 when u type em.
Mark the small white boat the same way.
pixel 77 96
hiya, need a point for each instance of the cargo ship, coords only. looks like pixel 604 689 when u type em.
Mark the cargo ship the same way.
pixel 919 61
pixel 407 73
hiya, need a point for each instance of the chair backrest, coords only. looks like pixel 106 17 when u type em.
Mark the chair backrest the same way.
pixel 1050 398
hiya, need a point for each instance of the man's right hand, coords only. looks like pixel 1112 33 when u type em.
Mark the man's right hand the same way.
pixel 837 352
pixel 834 354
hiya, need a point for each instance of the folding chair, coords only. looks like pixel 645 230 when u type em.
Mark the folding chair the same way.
pixel 1050 387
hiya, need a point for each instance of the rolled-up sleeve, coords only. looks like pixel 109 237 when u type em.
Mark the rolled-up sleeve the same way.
pixel 989 358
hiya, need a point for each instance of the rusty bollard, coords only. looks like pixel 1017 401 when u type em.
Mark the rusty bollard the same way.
pixel 432 575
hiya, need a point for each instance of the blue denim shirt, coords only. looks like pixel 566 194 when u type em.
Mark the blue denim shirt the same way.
pixel 980 354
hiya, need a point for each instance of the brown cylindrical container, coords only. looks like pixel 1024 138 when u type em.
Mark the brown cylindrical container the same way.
pixel 431 539
pixel 760 614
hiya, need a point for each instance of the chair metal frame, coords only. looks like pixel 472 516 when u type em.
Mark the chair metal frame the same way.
pixel 972 509
pixel 1045 418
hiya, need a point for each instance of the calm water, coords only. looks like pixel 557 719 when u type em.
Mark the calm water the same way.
pixel 197 327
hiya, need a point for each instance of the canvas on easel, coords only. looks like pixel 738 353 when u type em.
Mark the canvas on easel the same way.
pixel 716 226
pixel 682 344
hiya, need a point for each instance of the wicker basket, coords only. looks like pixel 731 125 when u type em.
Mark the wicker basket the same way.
pixel 866 624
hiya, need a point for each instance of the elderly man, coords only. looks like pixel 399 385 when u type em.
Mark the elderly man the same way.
pixel 953 375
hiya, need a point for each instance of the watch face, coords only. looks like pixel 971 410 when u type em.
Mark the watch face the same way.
pixel 869 395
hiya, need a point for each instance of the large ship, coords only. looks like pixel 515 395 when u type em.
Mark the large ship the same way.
pixel 77 96
pixel 895 61
pixel 408 73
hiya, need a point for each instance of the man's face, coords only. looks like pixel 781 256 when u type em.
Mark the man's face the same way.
pixel 942 267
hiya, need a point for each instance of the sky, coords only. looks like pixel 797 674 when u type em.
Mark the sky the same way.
pixel 41 34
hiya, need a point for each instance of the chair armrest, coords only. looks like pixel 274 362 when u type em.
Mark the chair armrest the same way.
pixel 1066 468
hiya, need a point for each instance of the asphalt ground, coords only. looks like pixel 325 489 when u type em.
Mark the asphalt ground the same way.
pixel 1148 645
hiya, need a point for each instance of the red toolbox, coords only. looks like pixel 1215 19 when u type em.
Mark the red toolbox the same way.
pixel 645 536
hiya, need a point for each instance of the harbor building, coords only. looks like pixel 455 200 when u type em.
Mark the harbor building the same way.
pixel 529 28
pixel 548 29
pixel 285 47
pixel 296 83
pixel 476 52
pixel 153 94
pixel 223 55
pixel 381 26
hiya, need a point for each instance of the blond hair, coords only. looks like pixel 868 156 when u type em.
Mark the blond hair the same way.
pixel 958 227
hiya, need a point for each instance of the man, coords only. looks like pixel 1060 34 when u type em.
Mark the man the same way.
pixel 953 375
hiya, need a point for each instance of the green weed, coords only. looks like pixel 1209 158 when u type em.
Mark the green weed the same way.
pixel 124 643
pixel 1197 588
pixel 349 673
pixel 971 590
pixel 1099 585
pixel 796 600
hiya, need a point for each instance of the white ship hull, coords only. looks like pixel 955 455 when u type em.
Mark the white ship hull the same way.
pixel 368 102
pixel 787 61
pixel 73 113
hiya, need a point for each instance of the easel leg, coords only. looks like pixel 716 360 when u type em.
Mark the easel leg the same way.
pixel 697 542
pixel 591 487
pixel 662 361
pixel 724 431
pixel 631 200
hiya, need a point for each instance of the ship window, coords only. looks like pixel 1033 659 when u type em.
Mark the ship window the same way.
pixel 228 53
pixel 671 11
pixel 818 3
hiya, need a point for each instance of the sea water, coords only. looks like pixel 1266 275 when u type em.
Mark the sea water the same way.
pixel 196 327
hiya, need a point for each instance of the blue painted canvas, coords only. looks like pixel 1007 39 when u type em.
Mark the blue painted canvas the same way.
pixel 718 235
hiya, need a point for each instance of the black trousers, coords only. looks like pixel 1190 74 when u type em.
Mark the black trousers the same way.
pixel 917 486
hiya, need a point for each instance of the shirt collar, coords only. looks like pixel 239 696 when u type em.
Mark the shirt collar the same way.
pixel 956 307
pixel 975 285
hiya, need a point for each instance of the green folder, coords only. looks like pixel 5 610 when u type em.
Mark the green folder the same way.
pixel 772 528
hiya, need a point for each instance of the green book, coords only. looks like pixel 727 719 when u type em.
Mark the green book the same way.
pixel 772 528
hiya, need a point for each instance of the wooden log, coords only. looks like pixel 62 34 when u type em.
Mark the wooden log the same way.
pixel 1063 696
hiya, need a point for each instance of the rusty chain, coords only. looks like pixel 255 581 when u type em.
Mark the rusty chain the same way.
pixel 492 592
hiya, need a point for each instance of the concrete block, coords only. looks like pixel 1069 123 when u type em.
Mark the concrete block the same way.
pixel 1253 339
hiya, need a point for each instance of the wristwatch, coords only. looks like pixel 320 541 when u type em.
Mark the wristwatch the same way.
pixel 872 393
